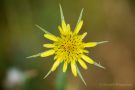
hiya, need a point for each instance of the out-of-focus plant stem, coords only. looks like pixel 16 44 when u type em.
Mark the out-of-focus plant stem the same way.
pixel 61 80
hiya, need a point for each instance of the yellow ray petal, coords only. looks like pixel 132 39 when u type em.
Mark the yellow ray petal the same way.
pixel 85 51
pixel 55 57
pixel 49 45
pixel 78 27
pixel 55 65
pixel 47 53
pixel 87 59
pixel 83 35
pixel 73 68
pixel 68 27
pixel 93 44
pixel 82 63
pixel 60 29
pixel 58 55
pixel 51 37
pixel 90 44
pixel 65 66
pixel 64 26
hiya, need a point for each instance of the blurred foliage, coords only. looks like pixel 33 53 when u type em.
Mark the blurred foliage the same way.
pixel 111 20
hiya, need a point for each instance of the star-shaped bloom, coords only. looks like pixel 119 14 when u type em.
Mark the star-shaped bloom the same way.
pixel 69 48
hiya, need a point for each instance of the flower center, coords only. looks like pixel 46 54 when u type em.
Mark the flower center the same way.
pixel 70 46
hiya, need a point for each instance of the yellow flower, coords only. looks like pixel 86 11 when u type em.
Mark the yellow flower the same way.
pixel 68 48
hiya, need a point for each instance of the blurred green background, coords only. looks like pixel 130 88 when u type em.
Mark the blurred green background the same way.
pixel 112 20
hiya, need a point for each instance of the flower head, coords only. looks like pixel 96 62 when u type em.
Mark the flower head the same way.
pixel 68 48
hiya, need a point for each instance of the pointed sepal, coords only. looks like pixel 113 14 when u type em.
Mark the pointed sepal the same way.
pixel 99 65
pixel 49 72
pixel 80 17
pixel 42 29
pixel 61 13
pixel 34 56
pixel 102 42
pixel 80 75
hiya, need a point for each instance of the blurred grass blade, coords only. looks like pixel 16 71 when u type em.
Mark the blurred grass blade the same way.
pixel 61 13
pixel 47 74
pixel 80 17
pixel 33 56
pixel 80 75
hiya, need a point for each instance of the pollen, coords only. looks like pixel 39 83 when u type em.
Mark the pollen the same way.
pixel 70 46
